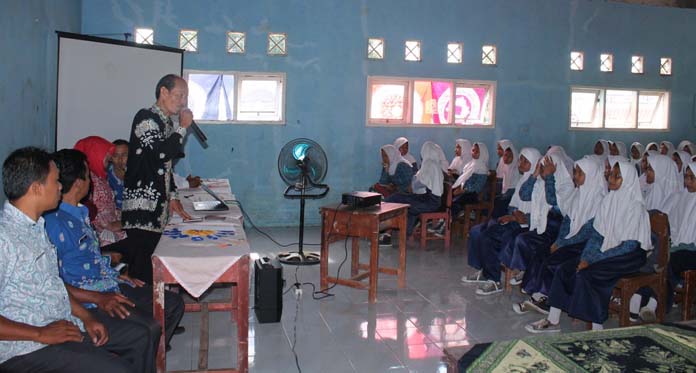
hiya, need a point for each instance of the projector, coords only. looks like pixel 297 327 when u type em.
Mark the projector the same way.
pixel 358 200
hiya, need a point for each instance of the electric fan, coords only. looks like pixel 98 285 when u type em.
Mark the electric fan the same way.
pixel 302 165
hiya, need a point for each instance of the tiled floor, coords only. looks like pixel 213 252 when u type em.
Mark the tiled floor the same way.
pixel 405 331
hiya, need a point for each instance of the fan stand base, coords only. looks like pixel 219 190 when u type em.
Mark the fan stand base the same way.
pixel 299 258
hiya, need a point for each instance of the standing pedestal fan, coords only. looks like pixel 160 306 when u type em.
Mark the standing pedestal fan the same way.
pixel 302 165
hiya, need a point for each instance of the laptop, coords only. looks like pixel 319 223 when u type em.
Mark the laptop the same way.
pixel 217 205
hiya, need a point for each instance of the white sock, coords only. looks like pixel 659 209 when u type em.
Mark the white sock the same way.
pixel 554 316
pixel 537 296
pixel 652 304
pixel 634 305
pixel 597 326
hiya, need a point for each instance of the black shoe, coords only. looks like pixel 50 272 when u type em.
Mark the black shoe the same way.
pixel 385 240
pixel 179 330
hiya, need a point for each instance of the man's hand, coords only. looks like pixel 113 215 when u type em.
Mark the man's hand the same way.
pixel 583 264
pixel 136 282
pixel 194 181
pixel 59 332
pixel 175 206
pixel 114 304
pixel 185 118
pixel 549 167
pixel 96 330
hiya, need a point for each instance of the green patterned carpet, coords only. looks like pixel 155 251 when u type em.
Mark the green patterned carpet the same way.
pixel 640 349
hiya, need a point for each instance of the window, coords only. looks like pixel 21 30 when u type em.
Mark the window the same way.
pixel 144 36
pixel 277 44
pixel 188 40
pixel 665 66
pixel 637 64
pixel 375 48
pixel 430 102
pixel 488 55
pixel 576 61
pixel 412 50
pixel 606 62
pixel 454 52
pixel 235 97
pixel 235 42
pixel 613 108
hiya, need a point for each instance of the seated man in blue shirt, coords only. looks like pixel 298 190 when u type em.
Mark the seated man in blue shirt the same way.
pixel 42 328
pixel 88 274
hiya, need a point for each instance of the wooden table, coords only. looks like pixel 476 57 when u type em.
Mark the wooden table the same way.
pixel 342 221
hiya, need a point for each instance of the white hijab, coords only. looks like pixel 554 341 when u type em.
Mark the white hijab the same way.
pixel 394 157
pixel 686 143
pixel 605 147
pixel 621 146
pixel 669 146
pixel 682 219
pixel 564 187
pixel 567 161
pixel 475 166
pixel 685 160
pixel 641 150
pixel 584 200
pixel 533 156
pixel 458 163
pixel 508 172
pixel 408 157
pixel 666 182
pixel 622 215
pixel 647 147
pixel 430 173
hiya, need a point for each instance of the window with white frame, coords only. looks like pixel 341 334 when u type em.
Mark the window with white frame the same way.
pixel 454 52
pixel 235 42
pixel 188 40
pixel 277 44
pixel 665 66
pixel 489 55
pixel 577 61
pixel 637 64
pixel 236 97
pixel 412 50
pixel 375 48
pixel 430 102
pixel 606 62
pixel 618 108
pixel 145 36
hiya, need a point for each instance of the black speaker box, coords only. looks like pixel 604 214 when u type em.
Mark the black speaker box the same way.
pixel 268 290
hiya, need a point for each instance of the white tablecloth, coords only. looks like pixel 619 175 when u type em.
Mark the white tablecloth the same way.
pixel 198 253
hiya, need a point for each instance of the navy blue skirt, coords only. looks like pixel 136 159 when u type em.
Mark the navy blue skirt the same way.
pixel 485 247
pixel 531 247
pixel 585 294
pixel 539 276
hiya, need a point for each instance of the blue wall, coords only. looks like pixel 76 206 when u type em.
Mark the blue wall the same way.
pixel 327 72
pixel 28 70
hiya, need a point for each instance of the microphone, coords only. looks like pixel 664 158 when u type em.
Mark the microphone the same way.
pixel 199 134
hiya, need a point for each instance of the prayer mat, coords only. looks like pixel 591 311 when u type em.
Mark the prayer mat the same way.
pixel 641 349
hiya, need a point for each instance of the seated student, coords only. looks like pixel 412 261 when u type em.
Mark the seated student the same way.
pixel 682 160
pixel 487 239
pixel 508 174
pixel 550 193
pixel 107 221
pixel 582 286
pixel 682 225
pixel 444 163
pixel 666 148
pixel 401 144
pixel 462 156
pixel 469 184
pixel 90 278
pixel 575 230
pixel 427 186
pixel 662 181
pixel 687 146
pixel 601 148
pixel 652 146
pixel 637 151
pixel 397 173
pixel 42 328
pixel 116 171
pixel 618 148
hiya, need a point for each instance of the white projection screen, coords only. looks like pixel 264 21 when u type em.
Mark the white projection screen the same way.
pixel 102 83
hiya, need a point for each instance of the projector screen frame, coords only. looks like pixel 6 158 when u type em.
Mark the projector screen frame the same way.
pixel 70 35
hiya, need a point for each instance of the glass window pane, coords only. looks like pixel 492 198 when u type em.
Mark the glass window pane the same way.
pixel 488 55
pixel 606 62
pixel 620 109
pixel 472 105
pixel 412 50
pixel 277 44
pixel 454 53
pixel 585 109
pixel 211 96
pixel 235 42
pixel 431 102
pixel 652 110
pixel 387 101
pixel 144 36
pixel 188 40
pixel 260 99
pixel 375 48
pixel 576 61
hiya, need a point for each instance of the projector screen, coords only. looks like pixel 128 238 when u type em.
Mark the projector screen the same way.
pixel 102 83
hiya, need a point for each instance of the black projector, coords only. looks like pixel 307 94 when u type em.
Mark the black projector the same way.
pixel 358 200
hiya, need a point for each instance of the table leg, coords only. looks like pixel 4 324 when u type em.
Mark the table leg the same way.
pixel 355 257
pixel 374 268
pixel 401 273
pixel 158 312
pixel 243 315
pixel 324 252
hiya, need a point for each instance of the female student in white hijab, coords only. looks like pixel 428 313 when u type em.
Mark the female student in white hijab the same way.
pixel 397 172
pixel 682 160
pixel 621 235
pixel 687 146
pixel 426 186
pixel 487 239
pixel 618 148
pixel 652 146
pixel 667 148
pixel 637 151
pixel 662 181
pixel 469 184
pixel 507 174
pixel 401 144
pixel 462 156
pixel 575 231
pixel 601 148
pixel 549 202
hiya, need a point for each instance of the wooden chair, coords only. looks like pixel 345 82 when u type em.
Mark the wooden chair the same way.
pixel 657 281
pixel 686 295
pixel 444 213
pixel 483 208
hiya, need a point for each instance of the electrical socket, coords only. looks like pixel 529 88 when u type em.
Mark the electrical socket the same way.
pixel 298 293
